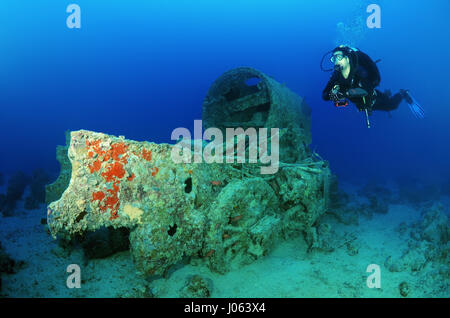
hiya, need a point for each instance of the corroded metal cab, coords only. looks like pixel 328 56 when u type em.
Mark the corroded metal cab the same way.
pixel 245 97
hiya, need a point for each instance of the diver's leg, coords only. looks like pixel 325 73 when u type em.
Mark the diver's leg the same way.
pixel 384 101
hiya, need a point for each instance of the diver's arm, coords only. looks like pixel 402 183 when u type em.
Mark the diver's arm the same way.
pixel 356 92
pixel 331 83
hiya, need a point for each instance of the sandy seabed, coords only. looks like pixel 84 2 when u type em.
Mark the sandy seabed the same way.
pixel 288 271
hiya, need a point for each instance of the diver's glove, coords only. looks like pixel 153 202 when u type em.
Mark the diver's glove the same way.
pixel 335 94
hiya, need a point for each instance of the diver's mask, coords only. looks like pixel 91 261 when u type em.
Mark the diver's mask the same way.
pixel 346 51
pixel 337 58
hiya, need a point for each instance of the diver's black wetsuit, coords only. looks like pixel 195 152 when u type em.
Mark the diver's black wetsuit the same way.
pixel 363 74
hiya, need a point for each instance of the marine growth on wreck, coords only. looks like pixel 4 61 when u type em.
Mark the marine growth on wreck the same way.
pixel 225 215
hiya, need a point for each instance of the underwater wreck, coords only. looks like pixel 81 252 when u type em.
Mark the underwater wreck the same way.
pixel 222 215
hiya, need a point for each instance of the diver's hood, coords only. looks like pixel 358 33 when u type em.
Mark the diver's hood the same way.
pixel 345 49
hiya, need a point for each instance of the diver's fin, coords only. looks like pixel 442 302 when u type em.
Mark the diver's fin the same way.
pixel 414 106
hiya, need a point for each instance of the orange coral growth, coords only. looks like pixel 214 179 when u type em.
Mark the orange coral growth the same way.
pixel 146 155
pixel 114 215
pixel 155 170
pixel 118 149
pixel 112 201
pixel 113 171
pixel 98 196
pixel 131 178
pixel 95 166
pixel 115 151
pixel 94 144
pixel 103 208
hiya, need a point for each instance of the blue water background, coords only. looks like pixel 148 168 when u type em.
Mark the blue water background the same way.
pixel 142 68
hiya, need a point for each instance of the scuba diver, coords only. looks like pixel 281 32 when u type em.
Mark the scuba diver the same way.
pixel 355 78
